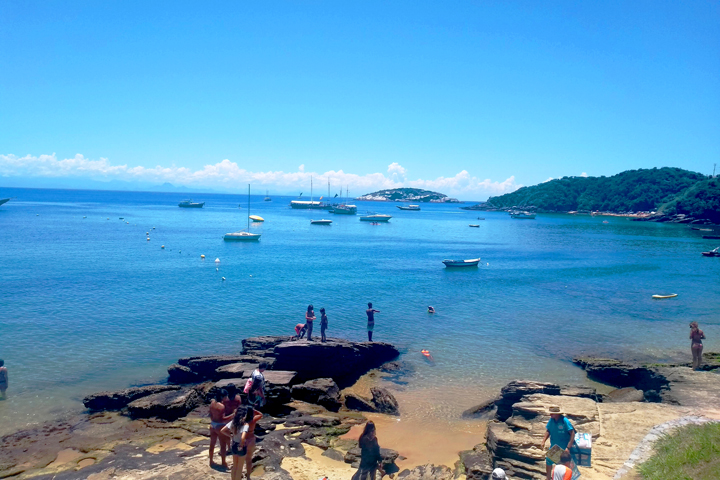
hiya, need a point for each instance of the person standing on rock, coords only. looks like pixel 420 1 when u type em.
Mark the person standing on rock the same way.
pixel 309 319
pixel 696 345
pixel 236 431
pixel 251 419
pixel 218 419
pixel 256 390
pixel 371 320
pixel 3 379
pixel 370 458
pixel 323 325
pixel 561 433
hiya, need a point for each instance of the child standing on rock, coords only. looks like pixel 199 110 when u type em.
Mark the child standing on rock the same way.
pixel 323 325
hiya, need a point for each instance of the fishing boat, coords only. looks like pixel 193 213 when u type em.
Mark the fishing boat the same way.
pixel 309 204
pixel 344 208
pixel 244 235
pixel 321 222
pixel 375 217
pixel 715 252
pixel 267 196
pixel 4 200
pixel 522 215
pixel 659 297
pixel 462 263
pixel 415 208
pixel 190 204
pixel 256 218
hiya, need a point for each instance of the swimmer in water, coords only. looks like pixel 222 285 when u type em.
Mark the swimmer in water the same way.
pixel 431 310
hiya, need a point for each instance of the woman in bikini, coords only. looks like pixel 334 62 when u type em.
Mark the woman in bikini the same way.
pixel 251 419
pixel 236 431
pixel 309 318
pixel 696 345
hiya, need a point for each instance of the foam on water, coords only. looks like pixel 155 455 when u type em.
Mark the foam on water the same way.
pixel 88 303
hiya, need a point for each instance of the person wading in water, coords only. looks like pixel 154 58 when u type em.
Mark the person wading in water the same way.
pixel 696 345
pixel 371 320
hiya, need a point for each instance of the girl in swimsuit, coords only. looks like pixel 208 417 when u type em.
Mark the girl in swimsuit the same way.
pixel 251 419
pixel 237 431
pixel 696 345
pixel 309 318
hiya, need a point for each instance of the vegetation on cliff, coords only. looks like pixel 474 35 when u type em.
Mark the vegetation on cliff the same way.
pixel 407 194
pixel 630 191
pixel 702 200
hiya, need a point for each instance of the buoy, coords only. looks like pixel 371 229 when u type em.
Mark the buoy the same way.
pixel 84 217
pixel 147 233
pixel 217 269
pixel 427 355
pixel 223 279
pixel 153 228
pixel 217 260
pixel 202 256
pixel 148 239
pixel 162 246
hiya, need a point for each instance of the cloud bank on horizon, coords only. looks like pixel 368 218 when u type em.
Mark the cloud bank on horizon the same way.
pixel 229 175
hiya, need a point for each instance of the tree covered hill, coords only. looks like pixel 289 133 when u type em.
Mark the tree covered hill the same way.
pixel 702 200
pixel 630 191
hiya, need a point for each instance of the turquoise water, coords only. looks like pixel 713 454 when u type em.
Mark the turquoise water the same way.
pixel 88 303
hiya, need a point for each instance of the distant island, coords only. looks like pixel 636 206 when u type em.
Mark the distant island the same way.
pixel 407 195
pixel 662 194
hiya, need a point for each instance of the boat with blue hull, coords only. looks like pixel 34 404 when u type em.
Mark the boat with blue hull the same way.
pixel 190 204
pixel 461 263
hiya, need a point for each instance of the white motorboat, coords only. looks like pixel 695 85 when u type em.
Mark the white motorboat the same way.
pixel 415 208
pixel 321 222
pixel 243 236
pixel 462 263
pixel 375 217
pixel 190 204
pixel 522 215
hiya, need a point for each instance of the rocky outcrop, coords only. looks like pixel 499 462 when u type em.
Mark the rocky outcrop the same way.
pixel 206 366
pixel 384 401
pixel 179 374
pixel 341 360
pixel 235 370
pixel 120 399
pixel 477 463
pixel 621 374
pixel 169 405
pixel 483 408
pixel 322 391
pixel 358 403
pixel 515 390
pixel 627 394
pixel 427 472
pixel 388 457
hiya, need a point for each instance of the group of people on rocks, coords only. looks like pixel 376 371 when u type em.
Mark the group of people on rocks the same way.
pixel 232 424
pixel 301 329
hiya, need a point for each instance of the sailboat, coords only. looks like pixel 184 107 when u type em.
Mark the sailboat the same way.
pixel 243 236
pixel 344 208
pixel 304 204
pixel 267 196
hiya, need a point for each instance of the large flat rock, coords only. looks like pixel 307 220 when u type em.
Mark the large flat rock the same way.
pixel 168 405
pixel 235 370
pixel 121 398
pixel 206 366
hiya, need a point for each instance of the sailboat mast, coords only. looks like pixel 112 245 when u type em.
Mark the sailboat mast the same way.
pixel 248 227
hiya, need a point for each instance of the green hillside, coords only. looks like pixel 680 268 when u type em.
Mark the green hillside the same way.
pixel 702 200
pixel 630 191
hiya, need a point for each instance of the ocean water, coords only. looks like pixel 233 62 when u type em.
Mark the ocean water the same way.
pixel 87 303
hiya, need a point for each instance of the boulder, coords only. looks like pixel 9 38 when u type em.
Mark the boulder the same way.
pixel 341 360
pixel 169 405
pixel 476 463
pixel 206 366
pixel 321 391
pixel 282 378
pixel 481 408
pixel 627 394
pixel 333 454
pixel 518 453
pixel 384 401
pixel 356 402
pixel 388 456
pixel 179 374
pixel 621 374
pixel 235 370
pixel 427 472
pixel 120 399
pixel 515 390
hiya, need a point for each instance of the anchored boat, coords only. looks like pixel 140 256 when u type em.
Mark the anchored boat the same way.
pixel 415 208
pixel 522 215
pixel 462 263
pixel 190 204
pixel 375 217
pixel 244 236
pixel 320 222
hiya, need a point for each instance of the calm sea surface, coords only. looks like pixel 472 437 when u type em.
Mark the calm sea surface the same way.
pixel 88 304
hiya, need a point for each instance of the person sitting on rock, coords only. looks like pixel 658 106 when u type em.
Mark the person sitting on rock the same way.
pixel 300 330
pixel 563 471
pixel 218 419
pixel 560 431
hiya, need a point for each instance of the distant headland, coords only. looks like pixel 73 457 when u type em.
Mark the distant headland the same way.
pixel 407 195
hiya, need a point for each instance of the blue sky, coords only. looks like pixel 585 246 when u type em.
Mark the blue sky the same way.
pixel 471 98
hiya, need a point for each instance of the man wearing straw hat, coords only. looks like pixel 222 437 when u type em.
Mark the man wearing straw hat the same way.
pixel 560 431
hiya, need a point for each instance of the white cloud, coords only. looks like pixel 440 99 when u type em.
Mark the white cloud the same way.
pixel 584 174
pixel 229 175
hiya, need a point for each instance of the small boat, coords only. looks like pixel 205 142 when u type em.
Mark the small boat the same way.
pixel 415 208
pixel 190 204
pixel 256 218
pixel 267 196
pixel 659 297
pixel 715 252
pixel 321 222
pixel 375 217
pixel 522 215
pixel 474 226
pixel 462 263
pixel 712 237
pixel 344 209
pixel 481 218
pixel 4 200
pixel 243 236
